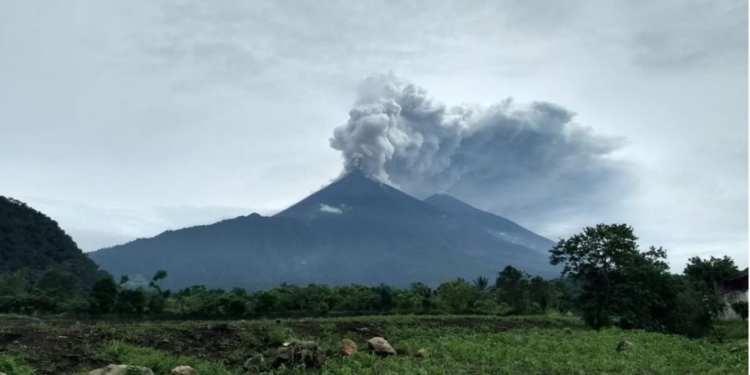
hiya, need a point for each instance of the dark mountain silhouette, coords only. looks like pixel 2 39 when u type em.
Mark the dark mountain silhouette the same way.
pixel 32 241
pixel 355 230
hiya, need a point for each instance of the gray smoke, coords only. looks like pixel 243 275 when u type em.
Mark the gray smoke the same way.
pixel 509 158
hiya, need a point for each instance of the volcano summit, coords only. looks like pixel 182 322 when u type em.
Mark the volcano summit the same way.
pixel 355 230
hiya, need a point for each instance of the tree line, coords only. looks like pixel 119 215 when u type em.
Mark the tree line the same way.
pixel 606 280
pixel 512 292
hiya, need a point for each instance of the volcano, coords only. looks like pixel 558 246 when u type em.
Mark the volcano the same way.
pixel 357 230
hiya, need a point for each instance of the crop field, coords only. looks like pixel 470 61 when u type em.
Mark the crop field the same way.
pixel 454 345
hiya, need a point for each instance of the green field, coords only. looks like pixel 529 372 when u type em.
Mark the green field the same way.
pixel 455 345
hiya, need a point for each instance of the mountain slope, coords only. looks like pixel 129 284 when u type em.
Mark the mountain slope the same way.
pixel 497 226
pixel 355 230
pixel 30 240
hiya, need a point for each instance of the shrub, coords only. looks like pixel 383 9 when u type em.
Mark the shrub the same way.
pixel 741 309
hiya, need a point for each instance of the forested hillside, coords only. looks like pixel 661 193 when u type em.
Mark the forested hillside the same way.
pixel 34 243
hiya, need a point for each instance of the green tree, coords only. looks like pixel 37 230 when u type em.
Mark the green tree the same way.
pixel 424 296
pixel 386 294
pixel 624 286
pixel 569 290
pixel 131 302
pixel 710 272
pixel 512 288
pixel 707 275
pixel 613 273
pixel 458 295
pixel 543 293
pixel 155 303
pixel 103 296
pixel 58 284
pixel 265 302
pixel 159 275
pixel 13 284
pixel 481 283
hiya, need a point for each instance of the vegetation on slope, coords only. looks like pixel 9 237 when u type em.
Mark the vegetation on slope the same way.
pixel 32 242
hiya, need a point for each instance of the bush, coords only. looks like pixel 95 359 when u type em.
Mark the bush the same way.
pixel 13 366
pixel 741 309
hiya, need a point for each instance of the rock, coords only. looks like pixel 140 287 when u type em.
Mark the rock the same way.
pixel 380 347
pixel 256 361
pixel 2 373
pixel 122 370
pixel 319 357
pixel 421 353
pixel 307 352
pixel 284 354
pixel 184 370
pixel 348 347
pixel 624 345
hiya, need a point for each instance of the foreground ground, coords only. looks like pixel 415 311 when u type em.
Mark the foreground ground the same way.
pixel 455 345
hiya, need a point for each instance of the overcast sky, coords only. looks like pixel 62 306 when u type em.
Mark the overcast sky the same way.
pixel 124 119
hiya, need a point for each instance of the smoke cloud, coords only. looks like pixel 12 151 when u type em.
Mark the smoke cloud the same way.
pixel 508 158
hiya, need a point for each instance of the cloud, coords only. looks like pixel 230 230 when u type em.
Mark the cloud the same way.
pixel 331 210
pixel 175 102
pixel 528 159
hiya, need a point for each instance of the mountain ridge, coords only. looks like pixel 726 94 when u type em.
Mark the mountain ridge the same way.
pixel 357 229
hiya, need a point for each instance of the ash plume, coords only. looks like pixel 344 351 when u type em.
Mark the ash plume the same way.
pixel 508 157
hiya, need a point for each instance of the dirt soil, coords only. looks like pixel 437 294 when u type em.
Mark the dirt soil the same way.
pixel 55 347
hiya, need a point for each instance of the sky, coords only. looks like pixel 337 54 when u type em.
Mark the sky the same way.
pixel 121 120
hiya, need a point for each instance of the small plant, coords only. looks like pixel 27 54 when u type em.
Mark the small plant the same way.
pixel 13 365
pixel 266 335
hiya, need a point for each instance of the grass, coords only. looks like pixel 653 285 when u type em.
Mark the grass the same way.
pixel 457 345
pixel 732 330
pixel 14 366
pixel 548 352
pixel 159 362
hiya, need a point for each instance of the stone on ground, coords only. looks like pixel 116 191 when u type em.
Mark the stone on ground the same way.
pixel 122 370
pixel 348 347
pixel 624 345
pixel 295 352
pixel 184 370
pixel 421 353
pixel 380 347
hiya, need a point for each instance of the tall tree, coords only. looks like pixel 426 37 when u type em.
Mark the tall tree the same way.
pixel 58 284
pixel 481 283
pixel 103 296
pixel 613 272
pixel 458 295
pixel 711 272
pixel 543 292
pixel 512 288
pixel 15 283
pixel 707 275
